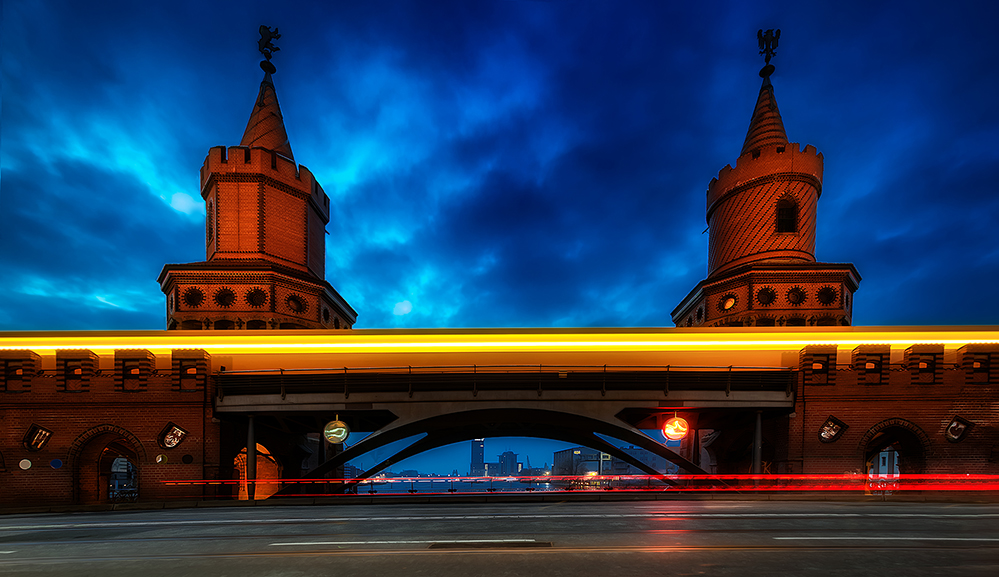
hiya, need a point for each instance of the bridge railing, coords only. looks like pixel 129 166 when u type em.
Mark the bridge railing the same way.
pixel 477 378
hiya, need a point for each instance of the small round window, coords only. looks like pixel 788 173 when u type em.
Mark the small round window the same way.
pixel 826 295
pixel 256 298
pixel 727 302
pixel 193 297
pixel 296 303
pixel 225 297
pixel 766 296
pixel 796 296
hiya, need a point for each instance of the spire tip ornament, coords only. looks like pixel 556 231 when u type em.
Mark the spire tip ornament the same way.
pixel 266 47
pixel 768 46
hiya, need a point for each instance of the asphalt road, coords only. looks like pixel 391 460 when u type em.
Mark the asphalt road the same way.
pixel 549 539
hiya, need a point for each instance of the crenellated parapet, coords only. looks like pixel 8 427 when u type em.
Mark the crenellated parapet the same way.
pixel 261 164
pixel 766 165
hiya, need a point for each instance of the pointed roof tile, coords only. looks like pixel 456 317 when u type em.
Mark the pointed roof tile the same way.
pixel 266 125
pixel 766 127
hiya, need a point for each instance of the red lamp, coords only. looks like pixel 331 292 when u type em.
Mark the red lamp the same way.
pixel 675 429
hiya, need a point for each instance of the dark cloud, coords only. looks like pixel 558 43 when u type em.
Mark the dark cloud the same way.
pixel 496 163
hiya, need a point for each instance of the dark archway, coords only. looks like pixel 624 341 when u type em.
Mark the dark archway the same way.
pixel 904 437
pixel 92 456
pixel 457 427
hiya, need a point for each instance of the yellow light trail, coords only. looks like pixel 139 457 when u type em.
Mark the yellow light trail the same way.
pixel 496 340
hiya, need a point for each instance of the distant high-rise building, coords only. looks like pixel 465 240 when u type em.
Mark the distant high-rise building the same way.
pixel 478 466
pixel 577 461
pixel 508 464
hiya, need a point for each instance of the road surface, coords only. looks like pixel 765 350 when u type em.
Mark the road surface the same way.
pixel 549 539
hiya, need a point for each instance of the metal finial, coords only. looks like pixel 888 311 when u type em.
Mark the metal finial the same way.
pixel 266 47
pixel 768 45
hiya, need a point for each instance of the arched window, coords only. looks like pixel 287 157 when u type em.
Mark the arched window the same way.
pixel 787 215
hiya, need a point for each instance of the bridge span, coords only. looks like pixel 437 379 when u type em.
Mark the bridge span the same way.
pixel 187 404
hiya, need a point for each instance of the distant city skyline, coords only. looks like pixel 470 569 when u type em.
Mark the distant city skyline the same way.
pixel 445 460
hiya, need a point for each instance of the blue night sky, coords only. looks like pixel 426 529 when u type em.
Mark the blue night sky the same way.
pixel 497 163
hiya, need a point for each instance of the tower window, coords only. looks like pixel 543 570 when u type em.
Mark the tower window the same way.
pixel 787 215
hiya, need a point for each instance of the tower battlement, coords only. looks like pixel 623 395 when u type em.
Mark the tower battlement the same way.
pixel 261 162
pixel 767 162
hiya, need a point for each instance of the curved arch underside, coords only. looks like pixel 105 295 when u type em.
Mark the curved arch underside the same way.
pixel 452 428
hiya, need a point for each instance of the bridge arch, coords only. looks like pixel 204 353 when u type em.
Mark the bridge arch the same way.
pixel 441 430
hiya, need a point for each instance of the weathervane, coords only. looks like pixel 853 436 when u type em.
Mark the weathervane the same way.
pixel 768 44
pixel 266 47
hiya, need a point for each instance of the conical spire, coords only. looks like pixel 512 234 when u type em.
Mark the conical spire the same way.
pixel 766 127
pixel 266 126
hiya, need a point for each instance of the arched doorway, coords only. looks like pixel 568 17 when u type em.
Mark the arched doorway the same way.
pixel 118 470
pixel 106 463
pixel 893 447
pixel 268 474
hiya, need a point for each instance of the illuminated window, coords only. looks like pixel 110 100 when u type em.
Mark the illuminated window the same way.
pixel 188 374
pixel 787 215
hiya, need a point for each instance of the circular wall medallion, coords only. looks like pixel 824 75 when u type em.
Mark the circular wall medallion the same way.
pixel 766 296
pixel 296 303
pixel 55 463
pixel 193 297
pixel 161 459
pixel 256 298
pixel 224 297
pixel 796 296
pixel 24 464
pixel 187 459
pixel 826 295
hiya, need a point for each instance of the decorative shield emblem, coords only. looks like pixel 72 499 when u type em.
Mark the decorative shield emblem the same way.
pixel 958 429
pixel 171 436
pixel 832 429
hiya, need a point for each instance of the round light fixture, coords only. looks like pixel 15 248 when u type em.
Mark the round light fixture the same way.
pixel 336 432
pixel 675 429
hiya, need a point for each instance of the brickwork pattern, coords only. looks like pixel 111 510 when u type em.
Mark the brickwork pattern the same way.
pixel 895 408
pixel 18 368
pixel 82 425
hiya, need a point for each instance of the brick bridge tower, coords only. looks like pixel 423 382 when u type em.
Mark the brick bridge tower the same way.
pixel 265 236
pixel 761 248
